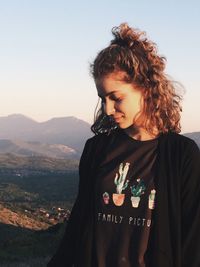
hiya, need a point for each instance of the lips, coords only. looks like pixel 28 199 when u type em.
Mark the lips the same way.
pixel 117 119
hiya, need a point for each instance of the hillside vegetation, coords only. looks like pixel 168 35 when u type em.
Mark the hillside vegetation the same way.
pixel 36 196
pixel 11 161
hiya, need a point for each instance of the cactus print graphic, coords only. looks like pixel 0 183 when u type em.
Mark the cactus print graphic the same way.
pixel 152 199
pixel 106 198
pixel 121 184
pixel 137 191
pixel 120 179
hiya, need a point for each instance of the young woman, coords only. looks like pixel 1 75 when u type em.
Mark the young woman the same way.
pixel 138 203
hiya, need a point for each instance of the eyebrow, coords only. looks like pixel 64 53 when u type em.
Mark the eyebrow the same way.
pixel 108 93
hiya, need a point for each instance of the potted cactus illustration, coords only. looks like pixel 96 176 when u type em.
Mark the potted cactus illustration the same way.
pixel 106 198
pixel 121 184
pixel 152 199
pixel 137 191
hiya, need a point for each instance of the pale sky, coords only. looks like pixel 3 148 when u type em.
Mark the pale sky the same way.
pixel 46 47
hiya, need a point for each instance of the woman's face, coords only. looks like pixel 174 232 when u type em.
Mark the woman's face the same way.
pixel 121 100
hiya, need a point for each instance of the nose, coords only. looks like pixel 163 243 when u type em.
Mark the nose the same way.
pixel 109 108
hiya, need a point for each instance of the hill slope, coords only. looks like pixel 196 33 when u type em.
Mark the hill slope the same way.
pixel 19 219
pixel 23 148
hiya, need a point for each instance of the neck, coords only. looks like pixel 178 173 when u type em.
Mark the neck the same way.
pixel 140 134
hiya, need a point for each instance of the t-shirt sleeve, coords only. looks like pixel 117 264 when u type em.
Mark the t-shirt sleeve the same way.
pixel 190 199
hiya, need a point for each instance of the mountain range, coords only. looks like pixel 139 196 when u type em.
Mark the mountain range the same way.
pixel 67 131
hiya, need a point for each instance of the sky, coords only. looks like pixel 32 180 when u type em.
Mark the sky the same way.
pixel 46 47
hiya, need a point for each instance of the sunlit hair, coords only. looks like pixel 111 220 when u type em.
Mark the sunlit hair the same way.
pixel 133 54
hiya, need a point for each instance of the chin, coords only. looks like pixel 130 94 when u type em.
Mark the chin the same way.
pixel 124 125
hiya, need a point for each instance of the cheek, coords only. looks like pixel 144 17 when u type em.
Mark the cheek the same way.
pixel 134 107
pixel 138 103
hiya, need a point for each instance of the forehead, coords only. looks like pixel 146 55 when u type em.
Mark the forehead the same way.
pixel 113 83
pixel 109 80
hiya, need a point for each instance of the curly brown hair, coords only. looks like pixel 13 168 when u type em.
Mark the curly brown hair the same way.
pixel 132 53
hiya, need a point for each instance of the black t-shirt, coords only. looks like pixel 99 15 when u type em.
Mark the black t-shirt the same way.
pixel 124 200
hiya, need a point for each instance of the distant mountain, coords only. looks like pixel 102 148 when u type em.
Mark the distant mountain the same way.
pixel 195 136
pixel 68 131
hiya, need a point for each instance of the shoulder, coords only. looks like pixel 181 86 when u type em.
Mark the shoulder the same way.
pixel 101 139
pixel 175 140
pixel 95 143
pixel 179 147
pixel 95 147
pixel 98 144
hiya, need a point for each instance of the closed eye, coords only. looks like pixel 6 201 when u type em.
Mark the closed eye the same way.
pixel 112 97
pixel 116 99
